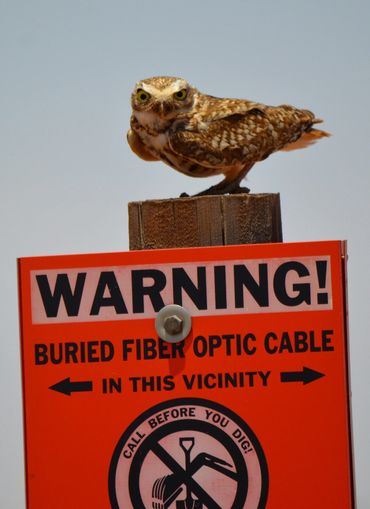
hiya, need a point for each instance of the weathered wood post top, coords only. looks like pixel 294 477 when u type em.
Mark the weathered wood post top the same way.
pixel 205 221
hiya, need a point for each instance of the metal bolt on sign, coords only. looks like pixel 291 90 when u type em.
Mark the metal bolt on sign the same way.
pixel 173 323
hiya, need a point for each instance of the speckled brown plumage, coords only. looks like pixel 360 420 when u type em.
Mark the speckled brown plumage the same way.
pixel 200 135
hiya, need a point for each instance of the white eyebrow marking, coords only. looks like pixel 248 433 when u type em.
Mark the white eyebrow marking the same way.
pixel 162 94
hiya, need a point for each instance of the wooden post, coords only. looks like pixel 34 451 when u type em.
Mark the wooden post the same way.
pixel 205 221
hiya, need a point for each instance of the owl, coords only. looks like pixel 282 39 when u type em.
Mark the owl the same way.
pixel 201 135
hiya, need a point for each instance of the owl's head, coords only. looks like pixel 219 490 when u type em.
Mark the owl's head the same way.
pixel 164 96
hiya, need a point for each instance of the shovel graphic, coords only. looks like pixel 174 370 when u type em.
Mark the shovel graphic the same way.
pixel 186 444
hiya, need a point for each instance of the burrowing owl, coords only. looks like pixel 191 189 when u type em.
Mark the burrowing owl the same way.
pixel 201 135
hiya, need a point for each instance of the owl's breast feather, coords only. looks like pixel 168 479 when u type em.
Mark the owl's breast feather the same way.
pixel 159 141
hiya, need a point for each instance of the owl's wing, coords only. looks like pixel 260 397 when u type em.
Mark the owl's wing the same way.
pixel 227 140
pixel 218 109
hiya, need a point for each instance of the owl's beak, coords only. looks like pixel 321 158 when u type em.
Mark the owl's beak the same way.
pixel 163 108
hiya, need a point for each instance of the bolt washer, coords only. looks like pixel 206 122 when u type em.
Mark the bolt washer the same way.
pixel 173 323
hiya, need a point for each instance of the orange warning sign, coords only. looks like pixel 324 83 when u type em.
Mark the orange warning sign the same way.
pixel 249 411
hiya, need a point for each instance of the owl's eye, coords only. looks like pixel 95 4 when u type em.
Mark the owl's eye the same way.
pixel 181 94
pixel 142 96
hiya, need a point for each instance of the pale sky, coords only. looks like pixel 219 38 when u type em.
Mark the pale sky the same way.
pixel 67 174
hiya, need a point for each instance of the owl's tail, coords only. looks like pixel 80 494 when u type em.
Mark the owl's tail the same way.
pixel 310 136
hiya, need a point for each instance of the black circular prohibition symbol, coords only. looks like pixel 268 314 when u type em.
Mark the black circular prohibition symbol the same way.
pixel 145 447
pixel 189 425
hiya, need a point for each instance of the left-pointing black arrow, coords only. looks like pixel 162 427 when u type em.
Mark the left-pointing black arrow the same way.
pixel 67 387
pixel 306 376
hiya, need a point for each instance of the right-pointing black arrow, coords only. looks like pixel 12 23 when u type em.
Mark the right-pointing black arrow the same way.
pixel 66 386
pixel 306 376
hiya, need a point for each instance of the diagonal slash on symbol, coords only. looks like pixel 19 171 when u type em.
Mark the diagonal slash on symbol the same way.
pixel 181 474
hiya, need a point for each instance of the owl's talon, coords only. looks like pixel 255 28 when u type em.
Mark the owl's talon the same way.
pixel 225 187
pixel 211 191
pixel 241 190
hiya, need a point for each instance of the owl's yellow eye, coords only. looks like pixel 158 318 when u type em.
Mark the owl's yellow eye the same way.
pixel 181 94
pixel 142 96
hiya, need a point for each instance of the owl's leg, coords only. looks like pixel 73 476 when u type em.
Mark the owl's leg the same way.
pixel 224 187
pixel 228 185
